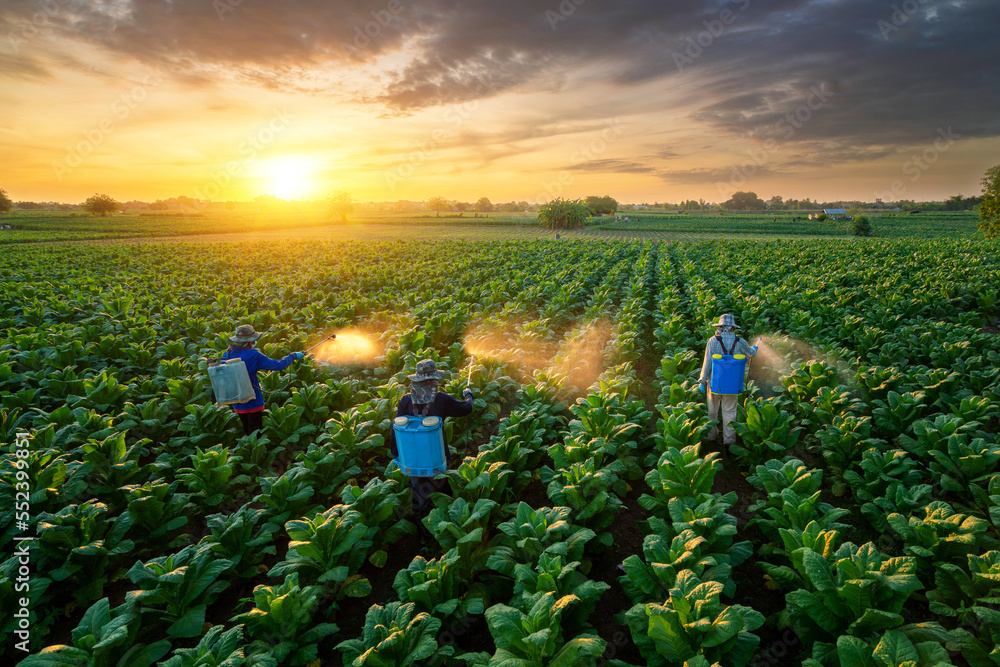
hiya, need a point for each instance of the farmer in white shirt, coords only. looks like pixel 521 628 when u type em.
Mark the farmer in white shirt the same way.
pixel 725 341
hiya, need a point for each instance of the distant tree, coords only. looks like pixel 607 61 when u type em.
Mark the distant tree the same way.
pixel 602 205
pixel 744 201
pixel 101 205
pixel 861 226
pixel 484 205
pixel 989 207
pixel 510 207
pixel 5 202
pixel 821 217
pixel 437 204
pixel 776 203
pixel 563 214
pixel 463 206
pixel 341 204
pixel 264 202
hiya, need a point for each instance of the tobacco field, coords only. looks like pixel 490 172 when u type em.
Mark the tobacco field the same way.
pixel 591 521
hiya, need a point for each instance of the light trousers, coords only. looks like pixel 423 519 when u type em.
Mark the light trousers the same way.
pixel 727 404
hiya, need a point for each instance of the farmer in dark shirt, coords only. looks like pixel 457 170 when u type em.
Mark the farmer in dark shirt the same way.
pixel 424 400
pixel 242 347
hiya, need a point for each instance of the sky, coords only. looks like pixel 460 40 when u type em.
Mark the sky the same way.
pixel 643 100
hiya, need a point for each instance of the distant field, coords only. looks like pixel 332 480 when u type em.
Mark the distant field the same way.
pixel 42 226
pixel 34 227
pixel 892 225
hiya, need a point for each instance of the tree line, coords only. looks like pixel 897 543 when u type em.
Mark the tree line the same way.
pixel 565 214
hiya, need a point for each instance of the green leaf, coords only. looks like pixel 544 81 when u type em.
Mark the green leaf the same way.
pixel 854 653
pixel 144 656
pixel 667 633
pixel 894 649
pixel 190 624
pixel 873 621
pixel 818 570
pixel 574 651
pixel 58 656
pixel 726 625
pixel 356 587
pixel 813 608
pixel 379 558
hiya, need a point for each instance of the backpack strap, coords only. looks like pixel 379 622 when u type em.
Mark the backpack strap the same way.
pixel 423 409
pixel 723 345
pixel 718 339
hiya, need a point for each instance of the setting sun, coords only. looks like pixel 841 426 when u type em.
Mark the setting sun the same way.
pixel 288 178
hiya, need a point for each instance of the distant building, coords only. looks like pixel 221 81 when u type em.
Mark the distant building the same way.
pixel 835 213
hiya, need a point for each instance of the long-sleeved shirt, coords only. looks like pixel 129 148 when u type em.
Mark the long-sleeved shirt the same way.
pixel 713 347
pixel 443 406
pixel 256 360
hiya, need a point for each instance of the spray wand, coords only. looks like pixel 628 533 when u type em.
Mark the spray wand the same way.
pixel 330 337
pixel 468 435
pixel 756 345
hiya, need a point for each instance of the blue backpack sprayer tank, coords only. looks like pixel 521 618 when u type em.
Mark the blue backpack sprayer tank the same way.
pixel 420 445
pixel 729 372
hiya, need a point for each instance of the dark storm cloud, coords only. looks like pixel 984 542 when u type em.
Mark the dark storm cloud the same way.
pixel 749 68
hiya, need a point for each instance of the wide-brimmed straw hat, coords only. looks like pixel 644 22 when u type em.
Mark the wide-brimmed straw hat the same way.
pixel 245 334
pixel 727 320
pixel 427 370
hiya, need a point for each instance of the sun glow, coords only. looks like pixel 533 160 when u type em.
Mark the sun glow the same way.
pixel 288 177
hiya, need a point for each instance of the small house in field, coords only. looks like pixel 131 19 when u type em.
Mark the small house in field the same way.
pixel 835 213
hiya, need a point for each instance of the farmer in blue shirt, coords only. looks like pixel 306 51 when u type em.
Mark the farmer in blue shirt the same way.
pixel 242 347
pixel 725 341
pixel 424 400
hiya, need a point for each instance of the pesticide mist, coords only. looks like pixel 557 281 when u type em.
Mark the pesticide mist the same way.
pixel 579 356
pixel 351 346
pixel 773 354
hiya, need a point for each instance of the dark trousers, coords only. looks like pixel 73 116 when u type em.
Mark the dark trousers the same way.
pixel 422 488
pixel 252 421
